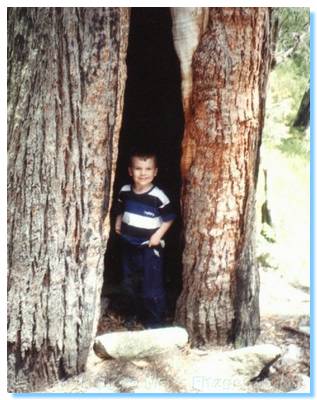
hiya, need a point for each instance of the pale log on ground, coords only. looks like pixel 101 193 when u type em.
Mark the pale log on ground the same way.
pixel 138 344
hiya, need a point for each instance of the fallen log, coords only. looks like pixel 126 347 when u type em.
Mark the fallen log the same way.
pixel 139 344
pixel 295 331
pixel 265 370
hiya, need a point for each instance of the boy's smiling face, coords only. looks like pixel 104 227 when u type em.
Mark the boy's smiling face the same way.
pixel 142 171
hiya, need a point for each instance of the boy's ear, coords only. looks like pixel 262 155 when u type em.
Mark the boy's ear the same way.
pixel 155 171
pixel 130 171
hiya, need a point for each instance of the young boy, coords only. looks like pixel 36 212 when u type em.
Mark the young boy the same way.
pixel 144 216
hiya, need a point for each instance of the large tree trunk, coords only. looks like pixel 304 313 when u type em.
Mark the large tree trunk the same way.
pixel 224 111
pixel 66 76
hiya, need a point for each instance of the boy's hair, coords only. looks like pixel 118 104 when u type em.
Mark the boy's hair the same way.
pixel 143 153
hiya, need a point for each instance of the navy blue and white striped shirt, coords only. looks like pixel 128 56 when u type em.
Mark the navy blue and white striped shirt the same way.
pixel 143 214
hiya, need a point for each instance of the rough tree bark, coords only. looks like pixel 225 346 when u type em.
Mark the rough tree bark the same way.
pixel 224 111
pixel 66 77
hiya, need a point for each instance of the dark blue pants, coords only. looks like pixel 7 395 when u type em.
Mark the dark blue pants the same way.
pixel 143 282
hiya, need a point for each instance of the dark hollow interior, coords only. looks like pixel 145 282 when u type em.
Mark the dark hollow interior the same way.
pixel 152 115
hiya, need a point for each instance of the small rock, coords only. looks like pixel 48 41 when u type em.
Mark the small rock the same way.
pixel 305 329
pixel 227 371
pixel 293 353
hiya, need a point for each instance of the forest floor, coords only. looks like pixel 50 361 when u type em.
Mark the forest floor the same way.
pixel 284 309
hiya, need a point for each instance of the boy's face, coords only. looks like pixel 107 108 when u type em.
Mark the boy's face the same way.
pixel 142 171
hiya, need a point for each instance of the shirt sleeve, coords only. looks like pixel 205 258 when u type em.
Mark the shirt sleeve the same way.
pixel 166 210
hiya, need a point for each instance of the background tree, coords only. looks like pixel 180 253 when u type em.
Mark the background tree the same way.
pixel 66 76
pixel 292 27
pixel 302 118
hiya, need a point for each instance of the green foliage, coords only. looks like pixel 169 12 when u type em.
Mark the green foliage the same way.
pixel 285 154
pixel 288 82
pixel 293 35
pixel 288 197
pixel 295 144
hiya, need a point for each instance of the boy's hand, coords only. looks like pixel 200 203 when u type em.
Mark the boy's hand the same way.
pixel 117 226
pixel 155 240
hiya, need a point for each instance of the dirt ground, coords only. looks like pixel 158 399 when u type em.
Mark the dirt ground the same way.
pixel 284 311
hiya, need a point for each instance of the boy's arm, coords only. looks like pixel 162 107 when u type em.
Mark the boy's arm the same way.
pixel 157 236
pixel 118 223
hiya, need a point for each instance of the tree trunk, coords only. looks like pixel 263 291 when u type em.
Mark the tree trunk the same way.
pixel 274 39
pixel 303 113
pixel 66 77
pixel 224 113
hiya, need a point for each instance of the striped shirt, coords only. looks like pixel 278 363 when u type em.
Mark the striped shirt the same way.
pixel 143 214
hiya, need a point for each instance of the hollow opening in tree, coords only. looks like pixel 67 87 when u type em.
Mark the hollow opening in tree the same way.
pixel 153 115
